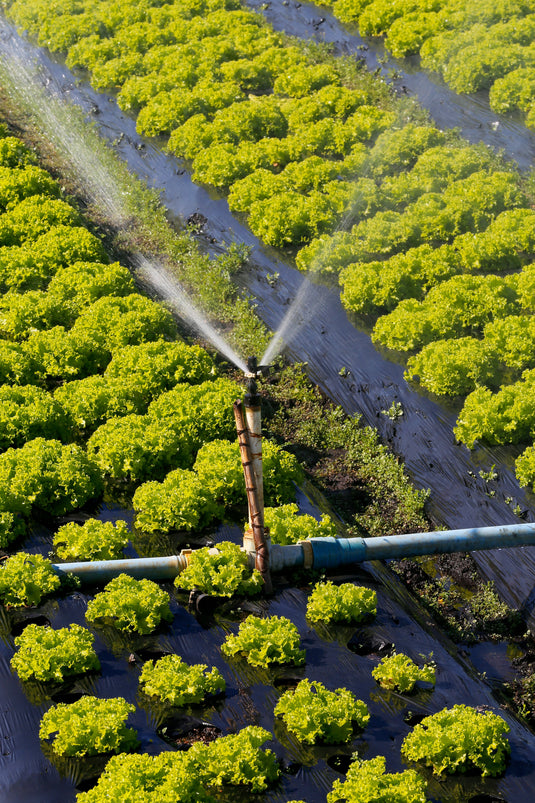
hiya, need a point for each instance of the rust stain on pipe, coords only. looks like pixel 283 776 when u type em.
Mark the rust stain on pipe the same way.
pixel 256 516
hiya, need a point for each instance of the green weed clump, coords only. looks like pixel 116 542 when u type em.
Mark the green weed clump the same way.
pixel 341 453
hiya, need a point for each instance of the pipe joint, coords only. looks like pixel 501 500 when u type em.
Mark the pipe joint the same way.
pixel 330 552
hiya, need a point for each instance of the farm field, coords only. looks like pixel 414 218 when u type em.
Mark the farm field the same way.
pixel 315 768
pixel 486 48
pixel 438 232
pixel 94 414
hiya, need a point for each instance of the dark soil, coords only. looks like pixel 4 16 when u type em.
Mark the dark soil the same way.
pixel 202 733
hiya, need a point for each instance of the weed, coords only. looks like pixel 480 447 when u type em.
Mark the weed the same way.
pixel 394 412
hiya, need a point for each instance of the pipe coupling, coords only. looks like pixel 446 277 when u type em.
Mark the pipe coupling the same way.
pixel 308 554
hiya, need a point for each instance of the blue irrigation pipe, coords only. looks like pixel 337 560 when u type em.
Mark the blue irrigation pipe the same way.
pixel 322 553
pixel 328 553
pixel 102 571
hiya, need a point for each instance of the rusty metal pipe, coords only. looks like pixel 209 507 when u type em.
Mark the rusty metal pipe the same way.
pixel 253 420
pixel 256 513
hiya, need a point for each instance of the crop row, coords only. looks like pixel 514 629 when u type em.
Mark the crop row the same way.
pixel 138 431
pixel 487 46
pixel 280 127
pixel 450 278
pixel 87 358
pixel 154 404
pixel 148 386
pixel 95 385
pixel 443 231
pixel 109 395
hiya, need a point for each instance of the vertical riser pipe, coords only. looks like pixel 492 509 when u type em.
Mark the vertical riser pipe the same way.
pixel 253 419
pixel 256 515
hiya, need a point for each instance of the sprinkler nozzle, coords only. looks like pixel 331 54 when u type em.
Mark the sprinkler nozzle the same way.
pixel 252 365
pixel 254 370
pixel 251 398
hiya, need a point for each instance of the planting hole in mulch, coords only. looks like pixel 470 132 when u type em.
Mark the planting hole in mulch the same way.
pixel 340 762
pixel 39 619
pixel 184 731
pixel 368 643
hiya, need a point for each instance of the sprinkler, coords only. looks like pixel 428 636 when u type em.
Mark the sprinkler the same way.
pixel 313 553
pixel 249 427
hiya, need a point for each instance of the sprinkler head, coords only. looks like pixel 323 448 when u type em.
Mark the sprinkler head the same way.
pixel 251 398
pixel 254 370
pixel 252 365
